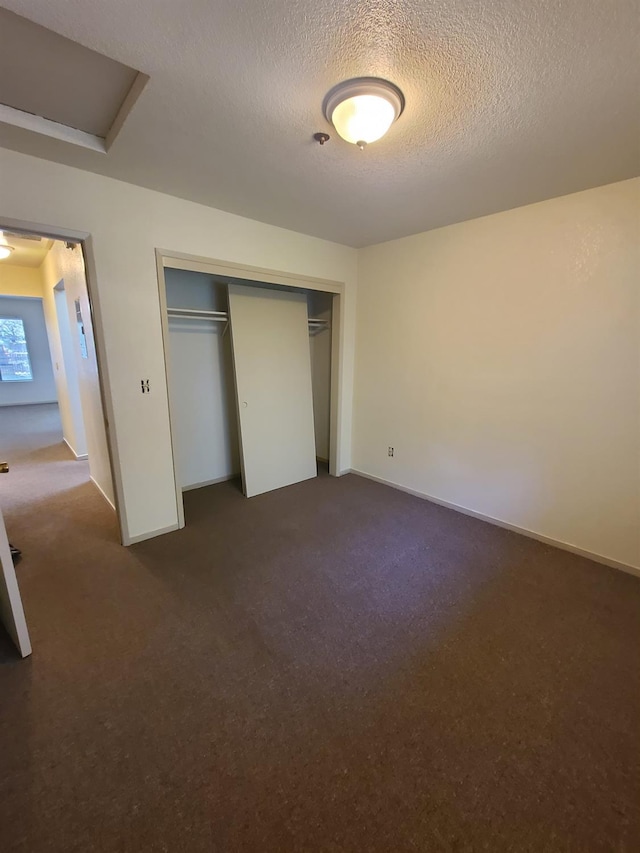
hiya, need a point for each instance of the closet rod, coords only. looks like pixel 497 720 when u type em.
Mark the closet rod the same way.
pixel 196 312
pixel 318 326
pixel 315 324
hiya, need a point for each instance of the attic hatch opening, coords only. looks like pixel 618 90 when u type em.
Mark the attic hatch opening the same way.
pixel 55 87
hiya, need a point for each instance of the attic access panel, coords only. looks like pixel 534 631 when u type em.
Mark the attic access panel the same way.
pixel 52 85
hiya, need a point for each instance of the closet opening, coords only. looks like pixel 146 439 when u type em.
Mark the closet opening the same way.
pixel 253 373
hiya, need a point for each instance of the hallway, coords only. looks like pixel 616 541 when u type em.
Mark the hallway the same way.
pixel 41 465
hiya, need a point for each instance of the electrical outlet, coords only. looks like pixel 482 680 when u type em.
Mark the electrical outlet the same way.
pixel 144 384
pixel 391 451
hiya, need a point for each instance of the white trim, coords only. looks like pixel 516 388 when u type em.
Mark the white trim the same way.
pixel 217 480
pixel 77 455
pixel 245 272
pixel 531 534
pixel 164 325
pixel 126 106
pixel 41 230
pixel 336 381
pixel 142 537
pixel 46 127
pixel 99 488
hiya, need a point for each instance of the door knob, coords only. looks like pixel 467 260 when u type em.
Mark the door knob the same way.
pixel 4 467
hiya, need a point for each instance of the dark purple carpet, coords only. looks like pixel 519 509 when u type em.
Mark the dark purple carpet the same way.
pixel 335 666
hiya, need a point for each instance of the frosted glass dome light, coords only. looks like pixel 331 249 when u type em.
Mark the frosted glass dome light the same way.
pixel 363 110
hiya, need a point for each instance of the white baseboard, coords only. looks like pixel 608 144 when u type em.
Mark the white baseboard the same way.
pixel 133 540
pixel 565 546
pixel 108 500
pixel 77 455
pixel 224 479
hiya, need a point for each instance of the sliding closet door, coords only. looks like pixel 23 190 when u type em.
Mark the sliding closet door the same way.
pixel 273 383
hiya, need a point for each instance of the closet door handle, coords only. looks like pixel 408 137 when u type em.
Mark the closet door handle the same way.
pixel 244 404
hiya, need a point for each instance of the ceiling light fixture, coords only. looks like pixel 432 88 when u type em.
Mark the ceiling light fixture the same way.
pixel 362 110
pixel 5 248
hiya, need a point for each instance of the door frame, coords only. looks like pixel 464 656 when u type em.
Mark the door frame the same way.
pixel 84 239
pixel 245 274
pixel 11 609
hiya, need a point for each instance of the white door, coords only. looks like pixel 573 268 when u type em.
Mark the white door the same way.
pixel 10 602
pixel 272 365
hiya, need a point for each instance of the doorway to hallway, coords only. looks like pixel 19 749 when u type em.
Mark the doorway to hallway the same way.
pixel 53 432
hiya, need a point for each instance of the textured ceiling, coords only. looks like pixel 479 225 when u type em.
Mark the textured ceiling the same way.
pixel 507 103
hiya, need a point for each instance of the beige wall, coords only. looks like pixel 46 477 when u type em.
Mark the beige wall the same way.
pixel 19 281
pixel 127 224
pixel 500 357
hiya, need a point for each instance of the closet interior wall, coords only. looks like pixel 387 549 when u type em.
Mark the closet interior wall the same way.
pixel 201 383
pixel 319 307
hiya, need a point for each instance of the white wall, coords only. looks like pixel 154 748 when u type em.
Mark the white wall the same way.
pixel 62 356
pixel 66 266
pixel 19 281
pixel 42 388
pixel 126 224
pixel 78 439
pixel 500 357
pixel 203 405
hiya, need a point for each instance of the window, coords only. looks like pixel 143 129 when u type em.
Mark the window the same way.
pixel 15 365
